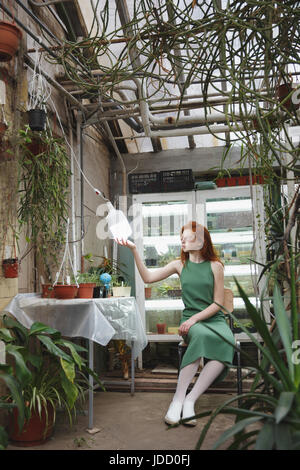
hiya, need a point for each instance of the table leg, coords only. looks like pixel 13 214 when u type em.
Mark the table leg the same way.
pixel 91 384
pixel 132 369
pixel 91 429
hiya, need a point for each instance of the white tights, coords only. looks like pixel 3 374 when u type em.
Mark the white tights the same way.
pixel 185 403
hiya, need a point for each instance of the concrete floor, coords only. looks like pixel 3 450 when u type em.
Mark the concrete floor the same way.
pixel 136 422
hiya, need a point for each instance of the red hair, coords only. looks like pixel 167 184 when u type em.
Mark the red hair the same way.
pixel 207 251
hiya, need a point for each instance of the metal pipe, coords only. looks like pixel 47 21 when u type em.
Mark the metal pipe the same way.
pixel 185 131
pixel 44 27
pixel 111 137
pixel 73 212
pixel 50 2
pixel 80 159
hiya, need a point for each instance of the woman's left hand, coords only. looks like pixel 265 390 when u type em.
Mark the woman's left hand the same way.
pixel 185 326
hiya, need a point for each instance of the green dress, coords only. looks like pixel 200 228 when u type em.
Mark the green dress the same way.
pixel 197 282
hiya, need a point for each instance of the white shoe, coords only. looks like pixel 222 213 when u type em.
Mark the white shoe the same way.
pixel 187 412
pixel 174 413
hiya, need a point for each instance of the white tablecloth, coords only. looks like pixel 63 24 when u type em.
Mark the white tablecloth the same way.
pixel 99 320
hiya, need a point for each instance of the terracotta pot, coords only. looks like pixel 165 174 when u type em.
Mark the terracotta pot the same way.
pixel 242 180
pixel 221 182
pixel 148 292
pixel 10 267
pixel 86 290
pixel 10 36
pixel 48 291
pixel 232 181
pixel 36 430
pixel 64 291
pixel 161 328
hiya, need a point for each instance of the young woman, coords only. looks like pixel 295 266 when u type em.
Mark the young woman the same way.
pixel 202 280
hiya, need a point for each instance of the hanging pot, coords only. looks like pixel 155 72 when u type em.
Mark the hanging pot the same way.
pixel 10 267
pixel 86 290
pixel 37 119
pixel 65 291
pixel 37 429
pixel 10 36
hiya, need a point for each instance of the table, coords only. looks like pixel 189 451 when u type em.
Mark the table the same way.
pixel 98 320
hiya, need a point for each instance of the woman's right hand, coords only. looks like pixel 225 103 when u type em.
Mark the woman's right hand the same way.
pixel 123 242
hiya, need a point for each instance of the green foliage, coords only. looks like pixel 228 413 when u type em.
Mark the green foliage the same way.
pixel 84 278
pixel 6 376
pixel 47 368
pixel 111 267
pixel 43 187
pixel 272 405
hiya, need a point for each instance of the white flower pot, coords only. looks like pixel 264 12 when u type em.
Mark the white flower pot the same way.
pixel 121 291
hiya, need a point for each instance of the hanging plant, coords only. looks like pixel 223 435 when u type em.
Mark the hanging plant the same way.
pixel 10 37
pixel 10 267
pixel 43 188
pixel 39 92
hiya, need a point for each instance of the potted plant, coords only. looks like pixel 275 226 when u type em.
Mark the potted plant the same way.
pixel 120 287
pixel 87 282
pixel 47 375
pixel 48 291
pixel 8 379
pixel 39 92
pixel 10 267
pixel 161 327
pixel 43 208
pixel 10 37
pixel 163 289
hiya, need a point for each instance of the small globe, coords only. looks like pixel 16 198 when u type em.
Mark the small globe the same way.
pixel 105 278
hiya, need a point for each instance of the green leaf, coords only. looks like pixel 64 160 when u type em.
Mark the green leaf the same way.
pixel 69 369
pixel 53 349
pixel 283 436
pixel 38 327
pixel 3 438
pixel 5 335
pixel 10 322
pixel 284 405
pixel 266 437
pixel 237 428
pixel 284 327
pixel 79 361
pixel 17 396
pixel 23 374
pixel 270 350
pixel 70 389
